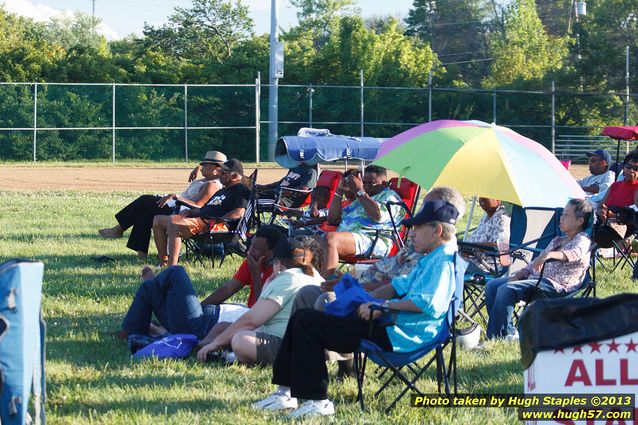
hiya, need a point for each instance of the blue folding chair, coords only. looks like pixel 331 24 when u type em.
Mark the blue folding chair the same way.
pixel 531 230
pixel 394 363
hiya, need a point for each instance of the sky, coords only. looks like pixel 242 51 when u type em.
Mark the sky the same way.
pixel 123 17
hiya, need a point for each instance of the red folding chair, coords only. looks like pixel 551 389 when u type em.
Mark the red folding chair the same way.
pixel 408 191
pixel 327 178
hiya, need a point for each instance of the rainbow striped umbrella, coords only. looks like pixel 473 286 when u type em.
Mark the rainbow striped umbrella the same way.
pixel 480 159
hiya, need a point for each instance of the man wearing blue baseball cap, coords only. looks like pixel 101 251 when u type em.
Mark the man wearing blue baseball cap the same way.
pixel 419 301
pixel 601 176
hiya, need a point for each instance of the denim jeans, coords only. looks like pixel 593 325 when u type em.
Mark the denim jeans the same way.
pixel 500 298
pixel 171 297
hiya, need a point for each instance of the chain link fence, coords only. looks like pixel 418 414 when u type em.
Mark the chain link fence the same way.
pixel 168 122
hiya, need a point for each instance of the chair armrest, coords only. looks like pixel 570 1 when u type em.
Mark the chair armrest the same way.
pixel 385 312
pixel 179 202
pixel 296 190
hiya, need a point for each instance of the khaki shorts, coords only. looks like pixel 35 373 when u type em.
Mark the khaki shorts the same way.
pixel 189 227
pixel 267 347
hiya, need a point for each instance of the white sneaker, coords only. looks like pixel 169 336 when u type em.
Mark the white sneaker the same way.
pixel 276 402
pixel 229 357
pixel 512 337
pixel 314 408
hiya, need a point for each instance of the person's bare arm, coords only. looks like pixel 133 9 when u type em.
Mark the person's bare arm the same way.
pixel 385 292
pixel 193 175
pixel 224 292
pixel 370 206
pixel 259 314
pixel 235 214
pixel 591 189
pixel 254 267
pixel 205 193
pixel 334 210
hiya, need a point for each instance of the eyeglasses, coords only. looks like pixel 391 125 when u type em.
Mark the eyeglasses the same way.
pixel 631 167
pixel 370 184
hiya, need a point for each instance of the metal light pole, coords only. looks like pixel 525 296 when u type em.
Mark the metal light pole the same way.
pixel 273 88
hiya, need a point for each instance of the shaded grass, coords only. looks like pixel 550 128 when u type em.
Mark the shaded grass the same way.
pixel 90 375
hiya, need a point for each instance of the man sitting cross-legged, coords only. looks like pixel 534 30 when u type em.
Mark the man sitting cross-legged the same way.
pixel 228 203
pixel 359 221
pixel 171 297
pixel 420 299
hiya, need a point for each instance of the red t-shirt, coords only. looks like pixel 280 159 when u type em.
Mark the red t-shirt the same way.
pixel 621 194
pixel 243 275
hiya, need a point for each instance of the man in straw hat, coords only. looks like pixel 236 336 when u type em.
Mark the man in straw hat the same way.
pixel 228 204
pixel 139 214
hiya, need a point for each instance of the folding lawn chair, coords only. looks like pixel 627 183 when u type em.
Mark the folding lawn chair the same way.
pixel 395 364
pixel 531 230
pixel 268 207
pixel 327 178
pixel 607 236
pixel 222 243
pixel 586 288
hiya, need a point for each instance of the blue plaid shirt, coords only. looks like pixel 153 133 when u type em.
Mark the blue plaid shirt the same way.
pixel 430 286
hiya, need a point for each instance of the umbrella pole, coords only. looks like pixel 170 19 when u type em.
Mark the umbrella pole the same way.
pixel 617 161
pixel 469 218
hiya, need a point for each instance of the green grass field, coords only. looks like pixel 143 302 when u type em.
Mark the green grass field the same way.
pixel 90 375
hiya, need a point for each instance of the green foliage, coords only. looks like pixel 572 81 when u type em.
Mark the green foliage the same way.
pixel 210 29
pixel 524 51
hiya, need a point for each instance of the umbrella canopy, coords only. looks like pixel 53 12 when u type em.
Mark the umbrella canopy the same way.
pixel 480 159
pixel 621 132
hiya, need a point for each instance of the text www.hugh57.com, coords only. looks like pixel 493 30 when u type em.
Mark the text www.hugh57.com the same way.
pixel 574 415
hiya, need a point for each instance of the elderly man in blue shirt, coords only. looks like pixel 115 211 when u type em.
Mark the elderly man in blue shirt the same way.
pixel 420 299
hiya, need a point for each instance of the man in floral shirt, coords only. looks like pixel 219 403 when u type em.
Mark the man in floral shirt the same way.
pixel 383 270
pixel 365 225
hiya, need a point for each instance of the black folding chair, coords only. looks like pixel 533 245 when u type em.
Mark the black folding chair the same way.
pixel 223 243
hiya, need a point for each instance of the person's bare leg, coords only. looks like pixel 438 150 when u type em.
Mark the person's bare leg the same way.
pixel 112 232
pixel 160 223
pixel 214 333
pixel 336 244
pixel 174 244
pixel 244 345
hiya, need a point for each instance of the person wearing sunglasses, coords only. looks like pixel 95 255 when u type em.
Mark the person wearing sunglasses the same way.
pixel 221 213
pixel 622 193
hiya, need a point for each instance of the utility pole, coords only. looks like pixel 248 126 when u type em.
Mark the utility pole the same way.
pixel 273 88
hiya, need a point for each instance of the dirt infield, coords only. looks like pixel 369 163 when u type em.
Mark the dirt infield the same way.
pixel 123 179
pixel 110 179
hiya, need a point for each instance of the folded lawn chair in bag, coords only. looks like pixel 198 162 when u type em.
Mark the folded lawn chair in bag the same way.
pixel 22 334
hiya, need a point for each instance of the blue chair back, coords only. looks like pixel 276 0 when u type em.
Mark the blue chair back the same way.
pixel 531 230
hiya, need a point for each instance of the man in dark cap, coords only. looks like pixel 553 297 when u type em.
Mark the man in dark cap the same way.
pixel 421 300
pixel 601 176
pixel 228 204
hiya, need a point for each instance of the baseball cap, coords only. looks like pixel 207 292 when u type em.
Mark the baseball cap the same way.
pixel 234 166
pixel 601 153
pixel 438 210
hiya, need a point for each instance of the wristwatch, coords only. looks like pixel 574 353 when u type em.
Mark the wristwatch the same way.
pixel 361 193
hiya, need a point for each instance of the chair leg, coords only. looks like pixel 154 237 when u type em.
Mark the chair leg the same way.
pixel 359 371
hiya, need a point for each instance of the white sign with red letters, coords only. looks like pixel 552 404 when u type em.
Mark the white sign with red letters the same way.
pixel 603 367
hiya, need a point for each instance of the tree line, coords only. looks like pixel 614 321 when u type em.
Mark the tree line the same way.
pixel 461 44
